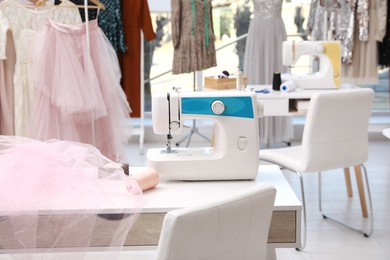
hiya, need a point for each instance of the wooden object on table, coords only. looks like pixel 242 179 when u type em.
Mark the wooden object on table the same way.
pixel 222 83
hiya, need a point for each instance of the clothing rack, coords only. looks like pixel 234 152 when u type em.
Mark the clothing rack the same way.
pixel 98 4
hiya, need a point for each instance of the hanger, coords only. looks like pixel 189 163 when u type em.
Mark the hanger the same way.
pixel 97 4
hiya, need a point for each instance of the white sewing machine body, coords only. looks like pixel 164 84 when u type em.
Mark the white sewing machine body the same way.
pixel 329 55
pixel 235 151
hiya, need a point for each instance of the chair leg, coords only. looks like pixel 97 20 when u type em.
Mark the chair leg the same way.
pixel 347 176
pixel 271 253
pixel 304 221
pixel 360 185
pixel 304 227
pixel 370 229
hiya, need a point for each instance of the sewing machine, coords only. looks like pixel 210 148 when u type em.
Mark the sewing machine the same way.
pixel 235 151
pixel 329 55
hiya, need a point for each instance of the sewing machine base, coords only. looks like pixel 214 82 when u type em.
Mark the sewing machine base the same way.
pixel 196 164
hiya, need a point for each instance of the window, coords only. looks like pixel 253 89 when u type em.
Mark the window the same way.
pixel 159 52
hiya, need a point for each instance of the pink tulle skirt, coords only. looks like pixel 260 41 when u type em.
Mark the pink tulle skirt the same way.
pixel 77 94
pixel 53 194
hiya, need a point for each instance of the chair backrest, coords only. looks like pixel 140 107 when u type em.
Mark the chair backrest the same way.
pixel 232 228
pixel 336 129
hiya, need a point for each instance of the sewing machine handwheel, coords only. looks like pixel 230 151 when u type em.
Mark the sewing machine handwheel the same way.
pixel 217 107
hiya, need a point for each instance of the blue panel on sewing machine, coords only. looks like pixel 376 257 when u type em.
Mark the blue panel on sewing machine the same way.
pixel 234 106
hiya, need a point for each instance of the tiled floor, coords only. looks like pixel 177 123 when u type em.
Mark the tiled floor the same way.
pixel 325 240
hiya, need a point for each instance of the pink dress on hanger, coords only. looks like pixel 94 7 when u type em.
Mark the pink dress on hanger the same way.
pixel 78 96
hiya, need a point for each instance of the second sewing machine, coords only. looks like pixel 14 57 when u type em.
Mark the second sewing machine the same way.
pixel 328 54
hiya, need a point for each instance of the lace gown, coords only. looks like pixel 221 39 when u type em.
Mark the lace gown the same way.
pixel 263 57
pixel 24 24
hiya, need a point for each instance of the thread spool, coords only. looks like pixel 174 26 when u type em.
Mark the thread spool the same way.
pixel 276 81
pixel 146 179
pixel 288 86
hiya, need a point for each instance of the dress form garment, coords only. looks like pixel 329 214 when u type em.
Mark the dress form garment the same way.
pixel 357 25
pixel 192 36
pixel 263 57
pixel 340 24
pixel 363 70
pixel 24 24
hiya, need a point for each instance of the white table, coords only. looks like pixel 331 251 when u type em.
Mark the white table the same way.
pixel 278 103
pixel 169 195
pixel 285 228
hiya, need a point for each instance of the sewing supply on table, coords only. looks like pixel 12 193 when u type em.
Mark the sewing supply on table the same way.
pixel 125 167
pixel 146 179
pixel 224 74
pixel 239 80
pixel 288 86
pixel 276 81
pixel 264 91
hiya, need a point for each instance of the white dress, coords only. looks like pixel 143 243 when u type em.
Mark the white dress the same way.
pixel 24 23
pixel 263 57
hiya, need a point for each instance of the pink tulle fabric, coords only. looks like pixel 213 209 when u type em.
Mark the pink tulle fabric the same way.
pixel 54 194
pixel 77 94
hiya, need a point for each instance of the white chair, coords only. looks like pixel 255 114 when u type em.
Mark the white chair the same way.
pixel 232 228
pixel 335 136
pixel 386 132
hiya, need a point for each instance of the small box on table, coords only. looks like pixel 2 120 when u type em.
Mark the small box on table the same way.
pixel 223 83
